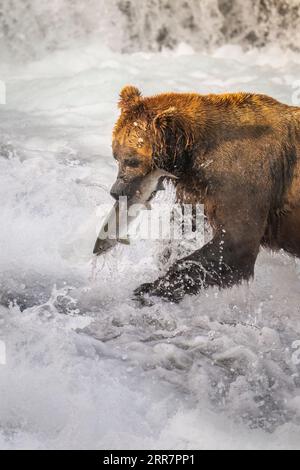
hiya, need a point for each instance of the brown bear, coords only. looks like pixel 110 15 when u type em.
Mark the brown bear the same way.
pixel 238 154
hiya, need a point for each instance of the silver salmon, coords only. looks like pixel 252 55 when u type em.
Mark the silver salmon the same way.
pixel 149 186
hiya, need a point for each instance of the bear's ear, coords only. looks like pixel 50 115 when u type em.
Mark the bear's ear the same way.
pixel 173 132
pixel 129 97
pixel 164 119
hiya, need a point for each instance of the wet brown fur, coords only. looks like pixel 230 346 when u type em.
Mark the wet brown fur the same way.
pixel 238 154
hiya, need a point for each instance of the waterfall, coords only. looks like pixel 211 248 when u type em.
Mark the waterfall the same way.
pixel 29 28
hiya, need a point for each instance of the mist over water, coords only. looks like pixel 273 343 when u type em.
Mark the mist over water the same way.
pixel 32 27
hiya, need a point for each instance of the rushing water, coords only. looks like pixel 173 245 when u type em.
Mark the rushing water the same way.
pixel 85 366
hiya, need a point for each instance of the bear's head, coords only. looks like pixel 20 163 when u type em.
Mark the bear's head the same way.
pixel 150 133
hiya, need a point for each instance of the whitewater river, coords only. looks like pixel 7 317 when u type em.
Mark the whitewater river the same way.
pixel 86 367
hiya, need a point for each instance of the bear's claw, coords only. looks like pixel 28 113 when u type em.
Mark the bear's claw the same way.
pixel 183 278
pixel 159 289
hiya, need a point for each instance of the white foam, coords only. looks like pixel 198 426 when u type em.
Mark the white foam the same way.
pixel 197 375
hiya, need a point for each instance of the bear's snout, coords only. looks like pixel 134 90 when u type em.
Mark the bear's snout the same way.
pixel 124 188
pixel 118 189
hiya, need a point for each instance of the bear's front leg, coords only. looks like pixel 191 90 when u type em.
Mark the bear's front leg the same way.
pixel 223 262
pixel 184 277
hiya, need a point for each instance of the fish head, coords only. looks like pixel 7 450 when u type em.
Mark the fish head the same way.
pixel 102 246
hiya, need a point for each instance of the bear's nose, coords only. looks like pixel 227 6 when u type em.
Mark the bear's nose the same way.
pixel 118 189
pixel 114 193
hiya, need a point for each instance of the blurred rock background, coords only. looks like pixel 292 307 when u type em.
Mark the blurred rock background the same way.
pixel 29 28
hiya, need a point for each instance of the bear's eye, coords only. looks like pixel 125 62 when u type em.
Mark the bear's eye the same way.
pixel 132 163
